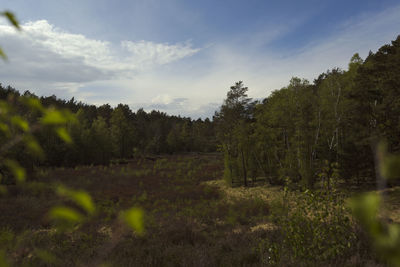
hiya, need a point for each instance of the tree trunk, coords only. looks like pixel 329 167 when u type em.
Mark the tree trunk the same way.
pixel 244 168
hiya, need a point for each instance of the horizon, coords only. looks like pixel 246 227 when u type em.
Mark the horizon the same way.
pixel 181 58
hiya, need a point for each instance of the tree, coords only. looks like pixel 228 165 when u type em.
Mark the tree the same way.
pixel 122 132
pixel 233 116
pixel 101 145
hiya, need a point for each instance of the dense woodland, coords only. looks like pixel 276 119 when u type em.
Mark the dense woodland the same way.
pixel 104 133
pixel 303 132
pixel 306 132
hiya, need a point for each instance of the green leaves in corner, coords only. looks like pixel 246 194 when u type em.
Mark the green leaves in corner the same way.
pixel 16 169
pixel 389 164
pixel 68 217
pixel 58 118
pixel 3 55
pixel 386 237
pixel 54 117
pixel 11 18
pixel 81 198
pixel 365 208
pixel 134 219
pixel 20 123
pixel 65 217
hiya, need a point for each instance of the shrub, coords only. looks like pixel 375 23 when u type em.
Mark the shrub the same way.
pixel 315 227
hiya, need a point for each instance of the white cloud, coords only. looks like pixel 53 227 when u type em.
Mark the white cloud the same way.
pixel 42 53
pixel 158 76
pixel 162 99
pixel 144 53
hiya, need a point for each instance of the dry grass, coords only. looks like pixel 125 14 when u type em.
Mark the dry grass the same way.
pixel 188 221
pixel 266 192
pixel 192 217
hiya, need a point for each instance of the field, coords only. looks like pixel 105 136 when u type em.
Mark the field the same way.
pixel 191 219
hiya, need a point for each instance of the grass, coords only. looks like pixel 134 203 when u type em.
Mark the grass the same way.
pixel 192 218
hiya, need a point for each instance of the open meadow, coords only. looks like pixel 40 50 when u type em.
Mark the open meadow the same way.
pixel 192 218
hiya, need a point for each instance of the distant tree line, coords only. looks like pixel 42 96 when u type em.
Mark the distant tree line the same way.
pixel 306 132
pixel 103 133
pixel 303 133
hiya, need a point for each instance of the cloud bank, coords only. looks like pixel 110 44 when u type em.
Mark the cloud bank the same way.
pixel 179 78
pixel 57 59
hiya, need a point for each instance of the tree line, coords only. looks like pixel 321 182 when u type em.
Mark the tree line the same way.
pixel 303 133
pixel 103 133
pixel 308 132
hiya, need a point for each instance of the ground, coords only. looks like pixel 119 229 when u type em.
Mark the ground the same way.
pixel 192 218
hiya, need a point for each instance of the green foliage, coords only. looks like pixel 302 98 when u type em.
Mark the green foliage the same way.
pixel 3 55
pixel 19 146
pixel 11 19
pixel 18 172
pixel 297 129
pixel 65 217
pixel 68 217
pixel 366 208
pixel 315 228
pixel 63 134
pixel 134 219
pixel 81 198
pixel 385 237
pixel 232 131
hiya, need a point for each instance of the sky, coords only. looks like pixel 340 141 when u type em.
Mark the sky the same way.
pixel 181 57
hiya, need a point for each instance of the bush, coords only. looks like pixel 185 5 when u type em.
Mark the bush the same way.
pixel 314 227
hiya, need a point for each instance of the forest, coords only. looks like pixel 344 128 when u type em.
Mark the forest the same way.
pixel 294 179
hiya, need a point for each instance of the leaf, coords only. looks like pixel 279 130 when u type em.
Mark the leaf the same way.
pixel 11 18
pixel 390 167
pixel 18 172
pixel 134 219
pixel 33 146
pixel 4 128
pixel 20 122
pixel 53 117
pixel 365 209
pixel 34 103
pixel 64 135
pixel 65 214
pixel 81 198
pixel 3 55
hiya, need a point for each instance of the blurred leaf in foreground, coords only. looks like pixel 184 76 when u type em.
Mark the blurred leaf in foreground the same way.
pixel 385 237
pixel 16 169
pixel 134 219
pixel 20 123
pixel 11 18
pixel 64 135
pixel 81 198
pixel 2 54
pixel 65 217
pixel 53 117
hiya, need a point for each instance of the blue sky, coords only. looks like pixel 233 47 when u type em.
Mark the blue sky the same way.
pixel 182 56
